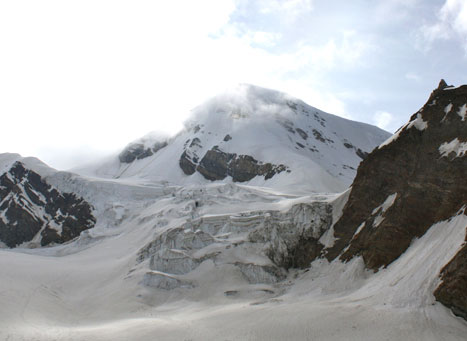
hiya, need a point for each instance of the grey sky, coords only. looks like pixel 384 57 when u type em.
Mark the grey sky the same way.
pixel 79 80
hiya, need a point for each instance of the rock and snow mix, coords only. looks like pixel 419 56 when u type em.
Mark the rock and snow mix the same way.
pixel 255 136
pixel 455 146
pixel 176 256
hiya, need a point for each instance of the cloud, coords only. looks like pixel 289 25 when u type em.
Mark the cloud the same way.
pixel 451 23
pixel 413 77
pixel 383 119
pixel 289 8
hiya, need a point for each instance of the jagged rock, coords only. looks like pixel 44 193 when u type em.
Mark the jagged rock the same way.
pixel 189 159
pixel 452 292
pixel 288 125
pixel 291 105
pixel 227 138
pixel 319 136
pixel 187 165
pixel 363 155
pixel 217 165
pixel 427 184
pixel 29 205
pixel 412 181
pixel 302 133
pixel 138 151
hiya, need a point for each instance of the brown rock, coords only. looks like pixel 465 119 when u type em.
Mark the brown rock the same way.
pixel 429 186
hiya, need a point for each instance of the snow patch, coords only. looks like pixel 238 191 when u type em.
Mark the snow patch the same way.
pixel 460 148
pixel 362 225
pixel 462 112
pixel 418 123
pixel 382 209
pixel 451 87
pixel 448 108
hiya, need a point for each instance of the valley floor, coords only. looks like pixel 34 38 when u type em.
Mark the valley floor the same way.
pixel 92 289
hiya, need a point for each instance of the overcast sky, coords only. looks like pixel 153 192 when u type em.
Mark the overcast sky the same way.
pixel 81 79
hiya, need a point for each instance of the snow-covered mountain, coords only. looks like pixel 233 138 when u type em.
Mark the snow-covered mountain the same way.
pixel 224 233
pixel 253 136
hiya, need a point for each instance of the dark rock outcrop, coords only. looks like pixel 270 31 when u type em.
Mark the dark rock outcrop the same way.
pixel 302 133
pixel 137 151
pixel 361 154
pixel 189 158
pixel 412 181
pixel 424 185
pixel 452 292
pixel 29 206
pixel 320 137
pixel 217 165
pixel 187 163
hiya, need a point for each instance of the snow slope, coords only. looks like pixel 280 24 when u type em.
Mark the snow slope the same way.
pixel 178 257
pixel 320 150
pixel 97 287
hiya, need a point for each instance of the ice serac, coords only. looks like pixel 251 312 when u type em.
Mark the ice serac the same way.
pixel 405 186
pixel 34 211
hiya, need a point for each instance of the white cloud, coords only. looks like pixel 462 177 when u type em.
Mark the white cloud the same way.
pixel 413 76
pixel 262 38
pixel 383 119
pixel 451 24
pixel 289 8
pixel 104 73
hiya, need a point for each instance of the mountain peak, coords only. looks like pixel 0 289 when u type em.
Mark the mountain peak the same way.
pixel 442 84
pixel 256 136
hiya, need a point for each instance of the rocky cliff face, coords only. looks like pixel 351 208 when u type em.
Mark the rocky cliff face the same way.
pixel 412 181
pixel 217 165
pixel 33 211
pixel 138 151
pixel 452 292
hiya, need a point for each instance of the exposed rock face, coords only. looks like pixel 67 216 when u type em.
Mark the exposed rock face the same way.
pixel 412 181
pixel 217 165
pixel 187 163
pixel 452 292
pixel 138 151
pixel 31 210
pixel 189 158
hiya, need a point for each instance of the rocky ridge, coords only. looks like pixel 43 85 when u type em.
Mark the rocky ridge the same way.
pixel 217 165
pixel 254 136
pixel 139 151
pixel 412 181
pixel 34 212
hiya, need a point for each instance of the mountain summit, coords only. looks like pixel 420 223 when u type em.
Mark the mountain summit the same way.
pixel 242 226
pixel 254 136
